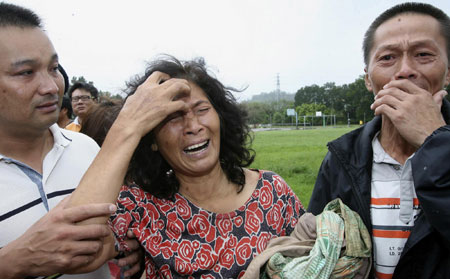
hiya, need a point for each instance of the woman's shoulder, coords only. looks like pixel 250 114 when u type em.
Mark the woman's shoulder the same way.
pixel 274 181
pixel 270 176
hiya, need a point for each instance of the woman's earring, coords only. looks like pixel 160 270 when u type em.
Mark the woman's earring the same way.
pixel 154 147
pixel 169 173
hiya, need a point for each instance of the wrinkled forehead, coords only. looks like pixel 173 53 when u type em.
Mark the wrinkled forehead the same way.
pixel 409 27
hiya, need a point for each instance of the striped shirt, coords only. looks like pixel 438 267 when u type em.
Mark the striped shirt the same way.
pixel 394 207
pixel 28 195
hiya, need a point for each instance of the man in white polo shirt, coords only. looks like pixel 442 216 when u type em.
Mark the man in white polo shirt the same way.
pixel 395 170
pixel 40 164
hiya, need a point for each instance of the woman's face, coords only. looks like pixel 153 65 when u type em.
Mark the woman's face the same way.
pixel 190 141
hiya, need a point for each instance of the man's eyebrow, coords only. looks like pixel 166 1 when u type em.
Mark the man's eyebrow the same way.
pixel 387 47
pixel 413 44
pixel 422 43
pixel 32 61
pixel 23 62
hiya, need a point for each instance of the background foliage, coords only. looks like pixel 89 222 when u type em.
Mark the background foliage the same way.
pixel 347 102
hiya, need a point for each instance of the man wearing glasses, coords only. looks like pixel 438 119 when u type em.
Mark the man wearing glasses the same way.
pixel 83 97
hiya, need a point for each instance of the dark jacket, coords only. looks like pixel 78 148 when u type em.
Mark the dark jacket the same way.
pixel 346 173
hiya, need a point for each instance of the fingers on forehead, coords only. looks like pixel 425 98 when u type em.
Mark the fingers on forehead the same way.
pixel 158 77
pixel 180 90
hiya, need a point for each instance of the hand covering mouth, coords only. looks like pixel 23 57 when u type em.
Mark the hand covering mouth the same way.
pixel 195 148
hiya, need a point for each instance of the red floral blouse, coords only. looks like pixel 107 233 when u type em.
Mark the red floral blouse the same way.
pixel 183 240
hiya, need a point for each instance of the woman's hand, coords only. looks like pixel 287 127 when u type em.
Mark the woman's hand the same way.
pixel 152 102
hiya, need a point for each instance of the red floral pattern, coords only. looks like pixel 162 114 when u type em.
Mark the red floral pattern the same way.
pixel 183 240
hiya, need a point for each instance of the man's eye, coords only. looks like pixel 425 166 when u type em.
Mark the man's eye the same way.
pixel 386 57
pixel 25 73
pixel 423 54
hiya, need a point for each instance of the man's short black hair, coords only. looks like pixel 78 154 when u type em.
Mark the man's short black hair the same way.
pixel 85 86
pixel 13 15
pixel 417 8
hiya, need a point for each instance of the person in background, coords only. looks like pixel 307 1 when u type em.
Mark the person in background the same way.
pixel 65 114
pixel 189 198
pixel 83 97
pixel 395 171
pixel 41 164
pixel 99 120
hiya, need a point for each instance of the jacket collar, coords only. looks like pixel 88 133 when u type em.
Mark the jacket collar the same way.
pixel 354 151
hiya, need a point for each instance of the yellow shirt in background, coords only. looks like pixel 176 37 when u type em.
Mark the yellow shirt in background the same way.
pixel 73 127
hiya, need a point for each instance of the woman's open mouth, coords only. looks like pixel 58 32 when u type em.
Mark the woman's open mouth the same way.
pixel 196 148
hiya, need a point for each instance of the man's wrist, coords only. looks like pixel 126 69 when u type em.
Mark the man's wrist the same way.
pixel 122 134
pixel 9 267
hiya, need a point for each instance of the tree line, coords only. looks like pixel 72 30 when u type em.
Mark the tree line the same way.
pixel 347 102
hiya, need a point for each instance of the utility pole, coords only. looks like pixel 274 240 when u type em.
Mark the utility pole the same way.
pixel 278 82
pixel 278 89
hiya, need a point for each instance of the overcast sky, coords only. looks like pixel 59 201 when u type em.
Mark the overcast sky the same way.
pixel 245 43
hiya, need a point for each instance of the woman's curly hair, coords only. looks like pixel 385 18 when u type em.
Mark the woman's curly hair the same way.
pixel 150 170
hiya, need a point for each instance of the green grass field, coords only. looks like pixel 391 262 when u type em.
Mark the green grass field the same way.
pixel 296 155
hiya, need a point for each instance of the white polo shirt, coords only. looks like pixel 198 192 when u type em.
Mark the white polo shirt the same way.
pixel 26 195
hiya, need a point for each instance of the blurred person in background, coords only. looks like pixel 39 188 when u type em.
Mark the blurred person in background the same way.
pixel 100 119
pixel 83 96
pixel 65 114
